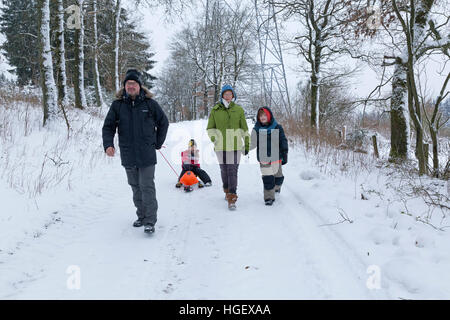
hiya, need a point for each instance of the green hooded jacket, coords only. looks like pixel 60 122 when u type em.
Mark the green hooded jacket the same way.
pixel 230 125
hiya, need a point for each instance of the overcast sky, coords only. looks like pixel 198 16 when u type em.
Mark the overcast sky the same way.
pixel 154 23
pixel 161 31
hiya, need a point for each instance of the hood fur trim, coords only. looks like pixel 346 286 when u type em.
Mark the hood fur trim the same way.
pixel 148 94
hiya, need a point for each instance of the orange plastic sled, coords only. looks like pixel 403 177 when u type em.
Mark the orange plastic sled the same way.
pixel 189 179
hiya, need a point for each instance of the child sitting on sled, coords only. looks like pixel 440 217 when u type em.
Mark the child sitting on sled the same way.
pixel 190 162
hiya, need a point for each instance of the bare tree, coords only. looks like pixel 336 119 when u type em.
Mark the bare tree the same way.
pixel 219 49
pixel 176 88
pixel 320 43
pixel 435 120
pixel 414 33
pixel 410 26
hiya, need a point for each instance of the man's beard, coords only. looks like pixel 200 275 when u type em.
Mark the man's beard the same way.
pixel 134 94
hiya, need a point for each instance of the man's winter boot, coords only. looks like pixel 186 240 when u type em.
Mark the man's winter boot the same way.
pixel 138 223
pixel 277 189
pixel 269 202
pixel 149 228
pixel 232 198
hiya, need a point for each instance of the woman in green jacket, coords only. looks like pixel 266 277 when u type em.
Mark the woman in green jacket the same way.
pixel 228 130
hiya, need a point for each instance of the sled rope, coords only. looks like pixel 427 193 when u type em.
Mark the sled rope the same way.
pixel 168 163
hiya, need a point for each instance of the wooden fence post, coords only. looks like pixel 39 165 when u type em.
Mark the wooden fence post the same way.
pixel 375 146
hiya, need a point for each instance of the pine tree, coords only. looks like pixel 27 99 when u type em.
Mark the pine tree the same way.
pixel 20 28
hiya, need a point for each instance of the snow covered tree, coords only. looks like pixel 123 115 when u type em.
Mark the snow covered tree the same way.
pixel 410 33
pixel 134 47
pixel 414 18
pixel 22 39
pixel 78 81
pixel 49 91
pixel 60 55
pixel 98 87
pixel 116 45
pixel 374 19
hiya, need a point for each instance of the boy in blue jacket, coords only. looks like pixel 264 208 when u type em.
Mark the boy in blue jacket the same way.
pixel 271 150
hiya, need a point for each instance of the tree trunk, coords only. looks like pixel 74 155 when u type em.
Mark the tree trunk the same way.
pixel 174 113
pixel 420 151
pixel 80 96
pixel 315 83
pixel 98 88
pixel 375 146
pixel 426 150
pixel 205 98
pixel 60 56
pixel 116 46
pixel 216 92
pixel 399 114
pixel 434 139
pixel 314 102
pixel 194 105
pixel 49 91
pixel 419 18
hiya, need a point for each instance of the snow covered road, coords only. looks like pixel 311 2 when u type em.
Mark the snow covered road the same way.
pixel 200 249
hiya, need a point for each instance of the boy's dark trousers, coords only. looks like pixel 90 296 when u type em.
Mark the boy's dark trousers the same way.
pixel 197 171
pixel 272 176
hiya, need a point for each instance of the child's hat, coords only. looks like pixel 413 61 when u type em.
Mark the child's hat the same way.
pixel 267 112
pixel 192 143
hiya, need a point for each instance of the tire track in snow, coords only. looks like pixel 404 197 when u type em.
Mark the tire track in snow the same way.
pixel 340 248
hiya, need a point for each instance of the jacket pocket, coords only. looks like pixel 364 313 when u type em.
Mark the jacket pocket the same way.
pixel 148 126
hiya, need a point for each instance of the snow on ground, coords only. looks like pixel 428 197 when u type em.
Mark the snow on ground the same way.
pixel 318 241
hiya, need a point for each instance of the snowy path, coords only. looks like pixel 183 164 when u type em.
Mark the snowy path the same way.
pixel 200 249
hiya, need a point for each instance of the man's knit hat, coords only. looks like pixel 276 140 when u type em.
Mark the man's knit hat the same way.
pixel 133 74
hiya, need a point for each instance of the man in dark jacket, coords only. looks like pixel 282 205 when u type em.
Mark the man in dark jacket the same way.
pixel 142 127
